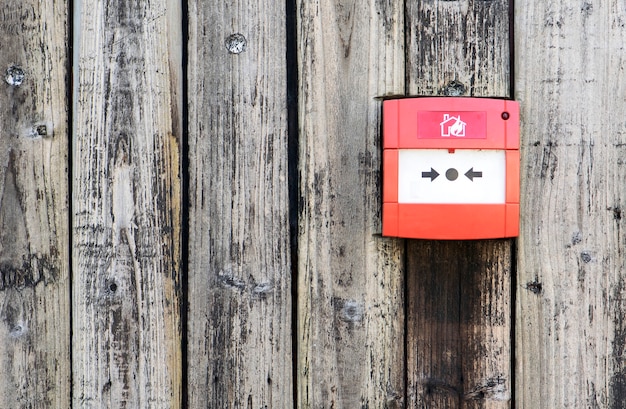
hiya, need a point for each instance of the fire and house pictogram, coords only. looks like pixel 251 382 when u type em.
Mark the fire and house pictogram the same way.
pixel 452 126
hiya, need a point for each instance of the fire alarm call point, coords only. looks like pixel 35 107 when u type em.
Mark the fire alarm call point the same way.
pixel 450 168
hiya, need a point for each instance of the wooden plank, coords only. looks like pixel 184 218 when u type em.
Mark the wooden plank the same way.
pixel 350 284
pixel 34 217
pixel 126 204
pixel 239 329
pixel 459 298
pixel 571 331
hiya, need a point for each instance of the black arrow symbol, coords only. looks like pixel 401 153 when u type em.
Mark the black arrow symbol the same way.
pixel 471 174
pixel 432 174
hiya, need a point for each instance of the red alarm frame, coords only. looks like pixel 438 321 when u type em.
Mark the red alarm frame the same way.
pixel 409 124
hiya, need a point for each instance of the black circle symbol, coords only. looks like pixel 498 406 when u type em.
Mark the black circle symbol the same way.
pixel 452 174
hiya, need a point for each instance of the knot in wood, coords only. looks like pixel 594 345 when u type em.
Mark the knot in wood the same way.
pixel 18 330
pixel 534 286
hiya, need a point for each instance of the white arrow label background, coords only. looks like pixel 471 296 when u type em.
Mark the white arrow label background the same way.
pixel 415 188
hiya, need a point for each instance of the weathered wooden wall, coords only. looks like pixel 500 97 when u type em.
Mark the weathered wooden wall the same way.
pixel 34 215
pixel 350 329
pixel 571 333
pixel 289 296
pixel 239 337
pixel 126 204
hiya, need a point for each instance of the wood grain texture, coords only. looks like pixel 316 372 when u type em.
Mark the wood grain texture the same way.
pixel 459 298
pixel 464 41
pixel 239 329
pixel 34 216
pixel 350 284
pixel 571 332
pixel 126 204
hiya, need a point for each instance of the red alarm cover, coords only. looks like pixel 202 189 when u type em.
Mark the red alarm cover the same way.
pixel 451 168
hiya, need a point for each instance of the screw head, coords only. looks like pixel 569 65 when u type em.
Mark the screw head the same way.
pixel 505 115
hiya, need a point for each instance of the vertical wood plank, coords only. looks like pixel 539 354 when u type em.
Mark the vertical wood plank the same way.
pixel 34 216
pixel 458 341
pixel 350 286
pixel 240 349
pixel 126 204
pixel 571 332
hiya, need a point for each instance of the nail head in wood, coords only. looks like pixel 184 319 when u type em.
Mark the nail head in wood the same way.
pixel 236 43
pixel 585 256
pixel 453 89
pixel 351 312
pixel 42 130
pixel 14 76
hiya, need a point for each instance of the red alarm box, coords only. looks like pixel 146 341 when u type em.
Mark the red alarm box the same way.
pixel 451 168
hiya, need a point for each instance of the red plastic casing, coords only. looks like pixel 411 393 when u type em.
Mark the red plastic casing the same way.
pixel 416 123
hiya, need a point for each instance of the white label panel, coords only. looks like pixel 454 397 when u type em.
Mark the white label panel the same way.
pixel 438 176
